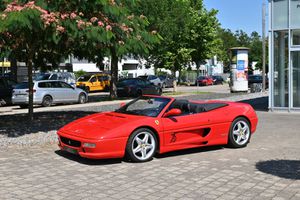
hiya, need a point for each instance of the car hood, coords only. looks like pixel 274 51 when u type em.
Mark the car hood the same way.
pixel 99 125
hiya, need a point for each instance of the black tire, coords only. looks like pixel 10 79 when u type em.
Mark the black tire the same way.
pixel 234 133
pixel 23 106
pixel 47 101
pixel 106 88
pixel 131 143
pixel 82 98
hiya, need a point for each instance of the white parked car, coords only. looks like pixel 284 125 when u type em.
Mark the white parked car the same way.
pixel 47 93
pixel 67 77
pixel 153 79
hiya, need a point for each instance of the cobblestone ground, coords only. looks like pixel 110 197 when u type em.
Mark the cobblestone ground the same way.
pixel 268 168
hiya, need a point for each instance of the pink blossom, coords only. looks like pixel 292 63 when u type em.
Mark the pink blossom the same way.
pixel 108 28
pixel 64 16
pixel 130 17
pixel 93 19
pixel 81 14
pixel 60 29
pixel 112 2
pixel 73 15
pixel 3 16
pixel 100 23
pixel 80 23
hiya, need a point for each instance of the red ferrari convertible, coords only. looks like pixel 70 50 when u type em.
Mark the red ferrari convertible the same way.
pixel 154 124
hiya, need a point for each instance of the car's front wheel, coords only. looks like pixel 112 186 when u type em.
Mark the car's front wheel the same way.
pixel 82 98
pixel 240 133
pixel 141 145
pixel 47 101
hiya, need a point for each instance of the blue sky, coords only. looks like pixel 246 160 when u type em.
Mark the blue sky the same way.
pixel 238 14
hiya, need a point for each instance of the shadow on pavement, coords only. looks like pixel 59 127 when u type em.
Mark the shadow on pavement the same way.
pixel 189 151
pixel 259 104
pixel 289 169
pixel 86 161
pixel 18 125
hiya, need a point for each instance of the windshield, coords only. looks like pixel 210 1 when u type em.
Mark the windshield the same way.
pixel 145 106
pixel 83 78
pixel 22 86
pixel 41 77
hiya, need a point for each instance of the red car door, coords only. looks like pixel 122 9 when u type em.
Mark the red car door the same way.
pixel 185 131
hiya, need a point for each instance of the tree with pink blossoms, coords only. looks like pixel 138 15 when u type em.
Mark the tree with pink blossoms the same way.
pixel 49 30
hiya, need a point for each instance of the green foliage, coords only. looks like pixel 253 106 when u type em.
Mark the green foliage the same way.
pixel 240 39
pixel 80 73
pixel 187 29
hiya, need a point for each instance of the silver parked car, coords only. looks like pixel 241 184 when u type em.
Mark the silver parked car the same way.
pixel 47 93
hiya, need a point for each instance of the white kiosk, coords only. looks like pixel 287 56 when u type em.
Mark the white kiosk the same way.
pixel 239 69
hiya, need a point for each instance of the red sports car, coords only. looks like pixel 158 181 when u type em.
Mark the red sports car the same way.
pixel 155 124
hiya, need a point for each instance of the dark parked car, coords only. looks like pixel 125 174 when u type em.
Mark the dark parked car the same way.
pixel 6 88
pixel 204 80
pixel 136 87
pixel 167 81
pixel 218 80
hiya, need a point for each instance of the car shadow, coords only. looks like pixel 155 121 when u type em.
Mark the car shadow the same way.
pixel 189 151
pixel 288 169
pixel 86 161
pixel 259 104
pixel 18 124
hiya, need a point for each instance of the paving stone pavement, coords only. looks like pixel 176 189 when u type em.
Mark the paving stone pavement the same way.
pixel 268 168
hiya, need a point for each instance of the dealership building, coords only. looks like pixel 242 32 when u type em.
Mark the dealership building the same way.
pixel 284 55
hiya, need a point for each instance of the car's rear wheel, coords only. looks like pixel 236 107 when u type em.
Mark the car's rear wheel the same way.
pixel 82 98
pixel 240 133
pixel 141 145
pixel 47 101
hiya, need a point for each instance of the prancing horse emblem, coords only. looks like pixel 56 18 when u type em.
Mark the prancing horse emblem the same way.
pixel 156 122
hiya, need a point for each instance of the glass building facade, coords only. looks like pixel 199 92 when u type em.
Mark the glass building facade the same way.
pixel 284 55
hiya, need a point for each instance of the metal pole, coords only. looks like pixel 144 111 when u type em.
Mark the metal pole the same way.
pixel 264 47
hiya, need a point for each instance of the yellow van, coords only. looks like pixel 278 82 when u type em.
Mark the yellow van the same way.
pixel 94 82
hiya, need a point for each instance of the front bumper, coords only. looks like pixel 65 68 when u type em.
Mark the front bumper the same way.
pixel 106 148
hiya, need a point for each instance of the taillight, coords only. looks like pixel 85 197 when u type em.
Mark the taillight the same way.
pixel 32 91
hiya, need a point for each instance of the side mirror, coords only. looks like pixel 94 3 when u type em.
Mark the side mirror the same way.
pixel 173 112
pixel 122 104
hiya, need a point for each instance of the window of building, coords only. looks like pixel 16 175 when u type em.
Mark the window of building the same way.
pixel 130 66
pixel 280 14
pixel 296 78
pixel 295 16
pixel 281 93
pixel 296 36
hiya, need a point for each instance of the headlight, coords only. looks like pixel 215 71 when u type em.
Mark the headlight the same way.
pixel 89 145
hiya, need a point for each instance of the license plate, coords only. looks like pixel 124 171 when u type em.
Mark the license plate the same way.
pixel 70 150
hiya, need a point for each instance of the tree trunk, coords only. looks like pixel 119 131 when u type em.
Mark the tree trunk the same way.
pixel 114 73
pixel 30 86
pixel 198 69
pixel 174 81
